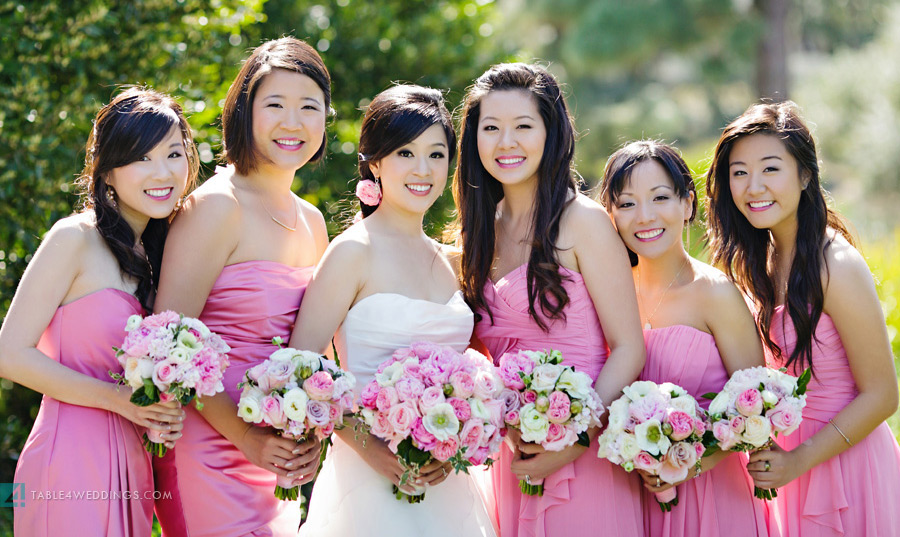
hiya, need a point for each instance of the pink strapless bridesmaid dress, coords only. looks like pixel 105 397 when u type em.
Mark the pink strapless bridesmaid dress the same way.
pixel 590 496
pixel 84 469
pixel 214 490
pixel 720 502
pixel 856 492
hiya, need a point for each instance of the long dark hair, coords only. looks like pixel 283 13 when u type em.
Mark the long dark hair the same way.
pixel 621 163
pixel 126 129
pixel 745 252
pixel 287 53
pixel 477 193
pixel 396 117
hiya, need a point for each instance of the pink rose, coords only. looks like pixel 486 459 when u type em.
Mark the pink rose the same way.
pixel 369 394
pixel 530 396
pixel 333 413
pixel 387 397
pixel 785 417
pixel 381 427
pixel 682 424
pixel 679 459
pixel 444 450
pixel 319 386
pixel 424 440
pixel 558 410
pixel 165 397
pixel 368 192
pixel 495 412
pixel 164 373
pixel 323 432
pixel 424 350
pixel 317 412
pixel 510 400
pixel 478 456
pixel 346 402
pixel 699 426
pixel 559 437
pixel 487 384
pixel 737 424
pixel 647 462
pixel 471 433
pixel 463 384
pixel 749 403
pixel 401 418
pixel 432 395
pixel 512 418
pixel 700 449
pixel 409 388
pixel 272 411
pixel 400 355
pixel 461 408
pixel 161 319
pixel 257 371
pixel 279 374
pixel 725 434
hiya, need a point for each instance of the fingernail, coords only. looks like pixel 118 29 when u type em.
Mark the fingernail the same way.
pixel 296 452
pixel 290 475
pixel 288 465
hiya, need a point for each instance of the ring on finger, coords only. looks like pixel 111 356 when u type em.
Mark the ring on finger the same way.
pixel 658 482
pixel 528 479
pixel 443 470
pixel 768 466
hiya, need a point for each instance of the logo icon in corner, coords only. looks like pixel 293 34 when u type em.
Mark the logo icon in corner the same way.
pixel 12 495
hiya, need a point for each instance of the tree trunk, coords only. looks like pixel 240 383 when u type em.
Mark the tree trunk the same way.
pixel 771 63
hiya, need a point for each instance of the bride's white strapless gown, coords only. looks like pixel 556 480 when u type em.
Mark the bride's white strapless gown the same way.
pixel 349 497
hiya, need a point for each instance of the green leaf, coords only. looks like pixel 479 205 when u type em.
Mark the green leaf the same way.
pixel 803 381
pixel 584 439
pixel 140 398
pixel 709 395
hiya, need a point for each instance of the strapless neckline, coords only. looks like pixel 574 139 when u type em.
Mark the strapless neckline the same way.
pixel 93 294
pixel 266 262
pixel 510 275
pixel 456 297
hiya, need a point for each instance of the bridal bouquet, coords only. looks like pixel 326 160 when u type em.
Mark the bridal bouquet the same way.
pixel 299 393
pixel 753 405
pixel 168 357
pixel 432 402
pixel 657 428
pixel 551 404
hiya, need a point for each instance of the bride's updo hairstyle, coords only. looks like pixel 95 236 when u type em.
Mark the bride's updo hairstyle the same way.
pixel 396 117
pixel 125 130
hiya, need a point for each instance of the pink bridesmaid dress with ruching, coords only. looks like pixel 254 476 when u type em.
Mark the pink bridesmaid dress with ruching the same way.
pixel 85 470
pixel 590 496
pixel 209 487
pixel 720 502
pixel 856 492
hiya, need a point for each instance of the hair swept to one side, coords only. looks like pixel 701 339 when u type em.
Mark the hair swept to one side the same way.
pixel 477 193
pixel 746 253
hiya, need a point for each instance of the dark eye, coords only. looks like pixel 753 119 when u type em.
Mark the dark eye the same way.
pixel 738 173
pixel 523 126
pixel 175 154
pixel 406 153
pixel 770 169
pixel 145 158
pixel 490 128
pixel 437 154
pixel 274 105
pixel 625 205
pixel 311 107
pixel 661 197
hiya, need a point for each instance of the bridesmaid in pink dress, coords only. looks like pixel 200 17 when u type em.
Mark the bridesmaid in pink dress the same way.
pixel 239 256
pixel 84 465
pixel 839 473
pixel 543 268
pixel 697 329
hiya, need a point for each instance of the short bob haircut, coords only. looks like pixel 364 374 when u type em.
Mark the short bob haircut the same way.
pixel 621 164
pixel 286 53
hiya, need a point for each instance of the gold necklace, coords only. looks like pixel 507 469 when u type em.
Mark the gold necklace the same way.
pixel 277 221
pixel 647 325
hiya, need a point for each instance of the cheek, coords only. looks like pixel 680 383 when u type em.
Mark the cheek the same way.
pixel 484 150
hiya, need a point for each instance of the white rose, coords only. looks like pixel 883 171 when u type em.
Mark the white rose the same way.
pixel 533 424
pixel 757 431
pixel 283 355
pixel 618 414
pixel 576 384
pixel 686 404
pixel 133 322
pixel 544 377
pixel 390 375
pixel 136 370
pixel 719 405
pixel 294 404
pixel 672 390
pixel 537 357
pixel 629 448
pixel 639 389
pixel 769 398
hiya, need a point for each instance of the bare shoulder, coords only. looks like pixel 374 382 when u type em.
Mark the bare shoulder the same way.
pixel 847 273
pixel 312 215
pixel 213 202
pixel 717 292
pixel 352 247
pixel 75 232
pixel 453 254
pixel 584 210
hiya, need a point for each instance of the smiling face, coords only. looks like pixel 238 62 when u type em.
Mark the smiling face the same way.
pixel 648 213
pixel 511 136
pixel 765 182
pixel 414 175
pixel 151 186
pixel 288 119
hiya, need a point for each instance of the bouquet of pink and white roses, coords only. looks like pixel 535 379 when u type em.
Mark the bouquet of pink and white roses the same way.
pixel 168 357
pixel 755 404
pixel 432 402
pixel 657 428
pixel 299 393
pixel 551 404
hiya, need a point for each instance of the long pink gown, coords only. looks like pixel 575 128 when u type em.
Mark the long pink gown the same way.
pixel 719 502
pixel 214 490
pixel 589 494
pixel 856 492
pixel 85 469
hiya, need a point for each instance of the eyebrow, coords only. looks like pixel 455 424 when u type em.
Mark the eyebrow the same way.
pixel 738 162
pixel 628 193
pixel 278 96
pixel 485 118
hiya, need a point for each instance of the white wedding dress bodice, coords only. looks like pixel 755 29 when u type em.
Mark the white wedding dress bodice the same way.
pixel 350 498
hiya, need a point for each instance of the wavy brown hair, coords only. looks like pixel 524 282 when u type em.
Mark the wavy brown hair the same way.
pixel 746 253
pixel 477 193
pixel 396 117
pixel 125 130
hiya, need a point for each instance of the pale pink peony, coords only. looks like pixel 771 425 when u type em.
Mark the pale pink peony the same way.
pixel 559 437
pixel 725 434
pixel 463 384
pixel 369 394
pixel 401 417
pixel 319 386
pixel 682 424
pixel 461 408
pixel 387 397
pixel 558 410
pixel 785 417
pixel 368 192
pixel 737 424
pixel 749 403
pixel 424 440
pixel 409 388
pixel 446 449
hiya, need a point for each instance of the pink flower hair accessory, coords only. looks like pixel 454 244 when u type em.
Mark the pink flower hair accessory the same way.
pixel 368 192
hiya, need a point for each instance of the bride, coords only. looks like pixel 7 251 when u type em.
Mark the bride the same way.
pixel 381 285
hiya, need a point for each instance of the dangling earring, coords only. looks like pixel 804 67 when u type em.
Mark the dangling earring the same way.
pixel 110 195
pixel 369 192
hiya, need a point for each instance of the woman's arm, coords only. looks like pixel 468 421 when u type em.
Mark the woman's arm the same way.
pixel 852 303
pixel 43 288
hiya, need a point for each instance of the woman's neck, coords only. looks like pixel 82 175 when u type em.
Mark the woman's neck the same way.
pixel 518 204
pixel 661 271
pixel 397 222
pixel 270 181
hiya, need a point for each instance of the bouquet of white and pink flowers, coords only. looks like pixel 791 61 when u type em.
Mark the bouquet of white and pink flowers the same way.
pixel 299 393
pixel 657 428
pixel 551 404
pixel 432 402
pixel 753 405
pixel 168 357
